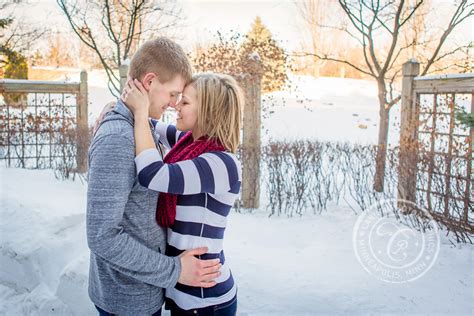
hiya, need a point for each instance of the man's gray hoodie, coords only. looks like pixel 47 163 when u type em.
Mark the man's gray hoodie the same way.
pixel 128 268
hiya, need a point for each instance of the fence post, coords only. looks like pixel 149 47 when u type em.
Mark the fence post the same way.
pixel 408 155
pixel 82 135
pixel 470 170
pixel 123 70
pixel 251 145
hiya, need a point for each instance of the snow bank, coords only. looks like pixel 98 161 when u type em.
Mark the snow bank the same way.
pixel 43 250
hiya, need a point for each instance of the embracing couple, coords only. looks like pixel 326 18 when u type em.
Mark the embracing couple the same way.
pixel 155 222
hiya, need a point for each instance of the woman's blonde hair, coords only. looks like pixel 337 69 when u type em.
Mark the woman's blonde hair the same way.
pixel 220 105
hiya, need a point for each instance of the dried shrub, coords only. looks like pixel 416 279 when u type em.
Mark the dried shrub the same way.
pixel 41 135
pixel 305 175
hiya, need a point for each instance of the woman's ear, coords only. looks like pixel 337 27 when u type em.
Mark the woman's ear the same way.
pixel 147 79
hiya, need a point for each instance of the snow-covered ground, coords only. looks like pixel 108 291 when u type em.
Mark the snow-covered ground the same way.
pixel 283 266
pixel 327 109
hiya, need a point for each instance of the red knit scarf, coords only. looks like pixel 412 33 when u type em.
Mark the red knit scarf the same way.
pixel 185 149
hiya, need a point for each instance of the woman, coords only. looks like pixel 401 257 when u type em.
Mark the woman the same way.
pixel 200 179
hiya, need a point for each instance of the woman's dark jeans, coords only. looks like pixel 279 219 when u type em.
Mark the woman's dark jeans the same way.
pixel 225 309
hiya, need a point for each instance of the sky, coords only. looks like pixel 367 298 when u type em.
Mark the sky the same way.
pixel 203 18
pixel 206 17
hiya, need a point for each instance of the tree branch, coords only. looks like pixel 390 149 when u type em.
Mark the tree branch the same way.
pixel 335 60
pixel 455 20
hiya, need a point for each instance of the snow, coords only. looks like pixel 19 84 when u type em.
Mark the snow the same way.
pixel 299 266
pixel 43 244
pixel 327 109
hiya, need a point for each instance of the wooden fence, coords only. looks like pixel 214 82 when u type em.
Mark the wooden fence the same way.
pixel 436 151
pixel 22 120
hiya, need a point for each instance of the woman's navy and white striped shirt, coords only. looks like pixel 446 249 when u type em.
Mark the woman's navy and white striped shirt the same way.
pixel 207 188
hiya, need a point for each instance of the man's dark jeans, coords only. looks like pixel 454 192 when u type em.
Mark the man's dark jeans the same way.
pixel 104 313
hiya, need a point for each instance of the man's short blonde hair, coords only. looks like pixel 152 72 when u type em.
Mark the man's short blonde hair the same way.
pixel 163 57
pixel 220 105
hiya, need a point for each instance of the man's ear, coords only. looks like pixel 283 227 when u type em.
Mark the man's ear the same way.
pixel 147 79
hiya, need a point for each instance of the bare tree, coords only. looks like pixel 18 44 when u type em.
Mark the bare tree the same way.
pixel 114 29
pixel 372 24
pixel 320 38
pixel 312 19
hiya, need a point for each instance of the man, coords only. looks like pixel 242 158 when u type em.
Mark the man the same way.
pixel 128 268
